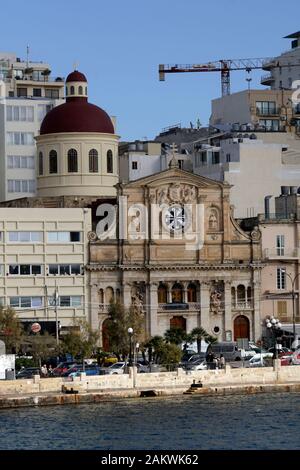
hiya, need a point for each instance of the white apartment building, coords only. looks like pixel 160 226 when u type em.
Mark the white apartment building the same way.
pixel 43 253
pixel 140 159
pixel 289 66
pixel 255 169
pixel 27 93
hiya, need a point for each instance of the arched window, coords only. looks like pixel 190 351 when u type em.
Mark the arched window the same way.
pixel 72 90
pixel 249 294
pixel 86 90
pixel 241 293
pixel 162 294
pixel 41 163
pixel 72 161
pixel 192 293
pixel 177 293
pixel 93 161
pixel 233 302
pixel 80 91
pixel 109 295
pixel 53 161
pixel 109 161
pixel 66 91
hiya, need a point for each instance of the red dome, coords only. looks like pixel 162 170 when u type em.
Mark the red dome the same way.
pixel 76 77
pixel 77 115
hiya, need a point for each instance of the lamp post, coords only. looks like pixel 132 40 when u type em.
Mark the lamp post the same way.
pixel 130 332
pixel 294 296
pixel 274 326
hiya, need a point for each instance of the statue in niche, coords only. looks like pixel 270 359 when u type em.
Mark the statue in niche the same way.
pixel 215 301
pixel 213 220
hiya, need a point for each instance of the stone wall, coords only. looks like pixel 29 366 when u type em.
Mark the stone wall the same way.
pixel 156 381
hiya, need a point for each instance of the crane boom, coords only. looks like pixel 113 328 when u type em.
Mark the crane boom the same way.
pixel 224 66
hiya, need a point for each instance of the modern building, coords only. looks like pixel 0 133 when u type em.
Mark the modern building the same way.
pixel 265 111
pixel 43 254
pixel 285 68
pixel 280 276
pixel 27 93
pixel 138 159
pixel 187 265
pixel 252 167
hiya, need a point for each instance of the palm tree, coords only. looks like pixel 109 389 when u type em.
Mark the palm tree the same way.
pixel 174 336
pixel 197 334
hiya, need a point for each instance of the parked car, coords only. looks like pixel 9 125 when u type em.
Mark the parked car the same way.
pixel 92 369
pixel 120 368
pixel 296 357
pixel 202 365
pixel 62 368
pixel 193 360
pixel 28 373
pixel 229 350
pixel 259 360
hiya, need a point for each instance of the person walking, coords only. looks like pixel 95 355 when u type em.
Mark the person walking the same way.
pixel 44 370
pixel 222 362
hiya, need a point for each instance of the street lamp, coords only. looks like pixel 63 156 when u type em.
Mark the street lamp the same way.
pixel 274 326
pixel 130 332
pixel 294 296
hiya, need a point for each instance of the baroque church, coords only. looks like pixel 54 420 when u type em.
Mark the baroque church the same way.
pixel 176 248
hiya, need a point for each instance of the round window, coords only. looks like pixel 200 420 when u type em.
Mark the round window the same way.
pixel 216 330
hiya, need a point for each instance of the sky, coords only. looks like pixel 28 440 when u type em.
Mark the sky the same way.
pixel 119 45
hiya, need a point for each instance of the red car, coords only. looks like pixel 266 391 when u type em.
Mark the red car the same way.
pixel 286 360
pixel 62 368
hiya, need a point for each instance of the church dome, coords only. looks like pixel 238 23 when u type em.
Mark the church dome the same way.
pixel 76 114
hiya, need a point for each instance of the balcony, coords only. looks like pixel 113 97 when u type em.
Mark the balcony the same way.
pixel 267 79
pixel 242 305
pixel 281 254
pixel 268 112
pixel 191 306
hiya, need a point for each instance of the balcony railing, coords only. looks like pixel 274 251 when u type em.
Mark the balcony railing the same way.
pixel 268 78
pixel 281 253
pixel 242 305
pixel 179 306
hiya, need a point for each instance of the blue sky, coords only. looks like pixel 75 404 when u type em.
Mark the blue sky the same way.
pixel 119 45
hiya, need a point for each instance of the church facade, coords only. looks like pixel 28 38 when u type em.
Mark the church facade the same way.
pixel 179 253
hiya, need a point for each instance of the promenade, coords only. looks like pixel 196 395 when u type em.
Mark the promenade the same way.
pixel 83 389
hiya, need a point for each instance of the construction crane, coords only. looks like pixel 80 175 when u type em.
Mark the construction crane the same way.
pixel 223 66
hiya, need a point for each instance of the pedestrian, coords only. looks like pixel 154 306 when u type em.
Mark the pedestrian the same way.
pixel 44 370
pixel 209 360
pixel 50 371
pixel 222 362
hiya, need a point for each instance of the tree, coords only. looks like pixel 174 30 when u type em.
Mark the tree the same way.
pixel 118 322
pixel 175 335
pixel 40 346
pixel 154 346
pixel 81 341
pixel 169 354
pixel 197 334
pixel 11 331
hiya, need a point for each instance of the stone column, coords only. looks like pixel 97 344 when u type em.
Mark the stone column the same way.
pixel 94 311
pixel 227 310
pixel 205 305
pixel 185 294
pixel 256 309
pixel 169 293
pixel 127 294
pixel 152 309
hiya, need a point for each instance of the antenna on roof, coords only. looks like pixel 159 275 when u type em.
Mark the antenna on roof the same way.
pixel 27 55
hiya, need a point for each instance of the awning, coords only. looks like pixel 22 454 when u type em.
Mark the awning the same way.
pixel 289 328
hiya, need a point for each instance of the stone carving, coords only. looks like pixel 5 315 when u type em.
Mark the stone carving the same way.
pixel 213 220
pixel 256 234
pixel 176 192
pixel 215 301
pixel 92 236
pixel 163 195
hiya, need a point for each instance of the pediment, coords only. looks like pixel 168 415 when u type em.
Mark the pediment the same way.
pixel 175 175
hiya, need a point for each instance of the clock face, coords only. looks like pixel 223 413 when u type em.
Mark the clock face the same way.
pixel 175 218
